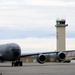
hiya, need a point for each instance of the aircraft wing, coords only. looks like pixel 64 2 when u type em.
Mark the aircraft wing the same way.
pixel 38 53
pixel 41 56
pixel 32 54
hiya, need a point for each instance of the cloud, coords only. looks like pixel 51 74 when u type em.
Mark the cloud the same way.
pixel 31 23
pixel 29 45
pixel 24 22
pixel 50 2
pixel 28 20
pixel 8 2
pixel 33 44
pixel 39 2
pixel 11 32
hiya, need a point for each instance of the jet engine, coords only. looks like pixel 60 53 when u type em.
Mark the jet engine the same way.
pixel 61 56
pixel 41 58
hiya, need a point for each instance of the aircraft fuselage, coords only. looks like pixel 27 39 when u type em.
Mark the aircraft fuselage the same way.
pixel 10 52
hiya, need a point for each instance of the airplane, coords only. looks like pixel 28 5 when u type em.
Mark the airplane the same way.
pixel 12 52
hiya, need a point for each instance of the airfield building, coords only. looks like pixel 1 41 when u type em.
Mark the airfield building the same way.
pixel 60 34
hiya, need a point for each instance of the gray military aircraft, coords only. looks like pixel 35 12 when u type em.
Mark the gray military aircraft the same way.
pixel 12 52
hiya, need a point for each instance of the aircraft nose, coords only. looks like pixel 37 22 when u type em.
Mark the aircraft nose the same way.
pixel 16 52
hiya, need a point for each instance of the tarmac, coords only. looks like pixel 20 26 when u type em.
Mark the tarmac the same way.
pixel 38 69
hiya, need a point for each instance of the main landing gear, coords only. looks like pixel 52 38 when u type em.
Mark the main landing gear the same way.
pixel 17 63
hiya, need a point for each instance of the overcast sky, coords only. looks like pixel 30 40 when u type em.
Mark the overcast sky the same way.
pixel 32 22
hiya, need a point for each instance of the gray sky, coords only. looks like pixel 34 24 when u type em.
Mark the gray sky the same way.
pixel 34 18
pixel 31 23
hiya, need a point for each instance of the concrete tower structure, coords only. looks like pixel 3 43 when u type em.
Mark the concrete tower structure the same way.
pixel 60 34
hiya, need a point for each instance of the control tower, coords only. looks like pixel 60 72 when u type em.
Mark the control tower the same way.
pixel 60 34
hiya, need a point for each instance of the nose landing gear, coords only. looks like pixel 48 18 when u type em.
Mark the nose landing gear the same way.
pixel 17 63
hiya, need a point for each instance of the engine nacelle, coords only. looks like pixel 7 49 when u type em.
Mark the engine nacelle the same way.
pixel 41 58
pixel 61 56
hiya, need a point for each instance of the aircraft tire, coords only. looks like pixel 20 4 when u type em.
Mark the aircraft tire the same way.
pixel 20 63
pixel 12 64
pixel 17 63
